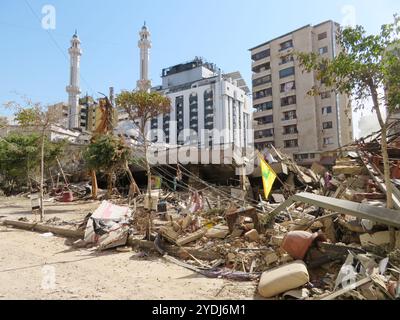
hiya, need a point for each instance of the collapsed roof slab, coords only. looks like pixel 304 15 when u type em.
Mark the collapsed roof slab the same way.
pixel 360 210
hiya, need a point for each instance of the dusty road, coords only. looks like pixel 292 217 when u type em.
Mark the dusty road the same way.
pixel 36 267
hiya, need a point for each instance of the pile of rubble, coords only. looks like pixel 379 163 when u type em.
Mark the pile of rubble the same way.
pixel 332 237
pixel 309 247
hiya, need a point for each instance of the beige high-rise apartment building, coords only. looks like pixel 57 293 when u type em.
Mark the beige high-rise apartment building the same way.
pixel 285 115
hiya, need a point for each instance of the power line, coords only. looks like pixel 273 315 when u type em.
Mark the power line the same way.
pixel 54 41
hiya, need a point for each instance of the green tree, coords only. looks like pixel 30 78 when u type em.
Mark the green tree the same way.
pixel 3 122
pixel 36 117
pixel 141 107
pixel 367 67
pixel 20 158
pixel 108 154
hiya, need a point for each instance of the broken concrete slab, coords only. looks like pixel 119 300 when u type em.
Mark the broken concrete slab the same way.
pixel 276 240
pixel 191 237
pixel 252 235
pixel 349 170
pixel 271 257
pixel 232 217
pixel 379 239
pixel 218 232
pixel 382 215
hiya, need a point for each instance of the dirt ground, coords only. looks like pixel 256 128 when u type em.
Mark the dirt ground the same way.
pixel 33 266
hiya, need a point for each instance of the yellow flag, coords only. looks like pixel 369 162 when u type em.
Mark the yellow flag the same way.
pixel 268 177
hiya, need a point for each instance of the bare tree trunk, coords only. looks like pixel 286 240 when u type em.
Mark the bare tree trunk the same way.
pixel 109 184
pixel 133 187
pixel 148 170
pixel 386 168
pixel 386 165
pixel 41 179
pixel 94 184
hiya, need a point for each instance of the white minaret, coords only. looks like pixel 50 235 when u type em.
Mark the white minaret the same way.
pixel 73 89
pixel 144 45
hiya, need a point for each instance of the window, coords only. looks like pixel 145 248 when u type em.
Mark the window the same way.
pixel 303 156
pixel 322 36
pixel 261 146
pixel 179 119
pixel 326 110
pixel 323 50
pixel 209 109
pixel 288 86
pixel 263 106
pixel 261 55
pixel 288 101
pixel 263 133
pixel 265 120
pixel 291 143
pixel 286 72
pixel 262 80
pixel 327 125
pixel 193 114
pixel 290 115
pixel 312 155
pixel 325 95
pixel 154 123
pixel 263 93
pixel 290 130
pixel 262 67
pixel 328 141
pixel 286 45
pixel 286 59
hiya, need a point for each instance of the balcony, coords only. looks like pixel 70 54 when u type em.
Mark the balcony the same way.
pixel 261 74
pixel 263 139
pixel 264 126
pixel 262 67
pixel 260 114
pixel 261 61
pixel 288 122
pixel 262 86
pixel 290 129
pixel 287 45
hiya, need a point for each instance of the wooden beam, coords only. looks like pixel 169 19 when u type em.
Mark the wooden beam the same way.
pixel 40 227
pixel 207 255
pixel 191 237
pixel 347 289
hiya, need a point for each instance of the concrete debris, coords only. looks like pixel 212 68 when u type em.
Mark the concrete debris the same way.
pixel 218 232
pixel 325 233
pixel 252 235
pixel 282 279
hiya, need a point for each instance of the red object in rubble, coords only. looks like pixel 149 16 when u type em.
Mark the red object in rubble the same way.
pixel 376 160
pixel 396 171
pixel 297 243
pixel 67 196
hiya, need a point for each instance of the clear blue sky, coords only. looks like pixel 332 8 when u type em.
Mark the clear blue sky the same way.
pixel 222 31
